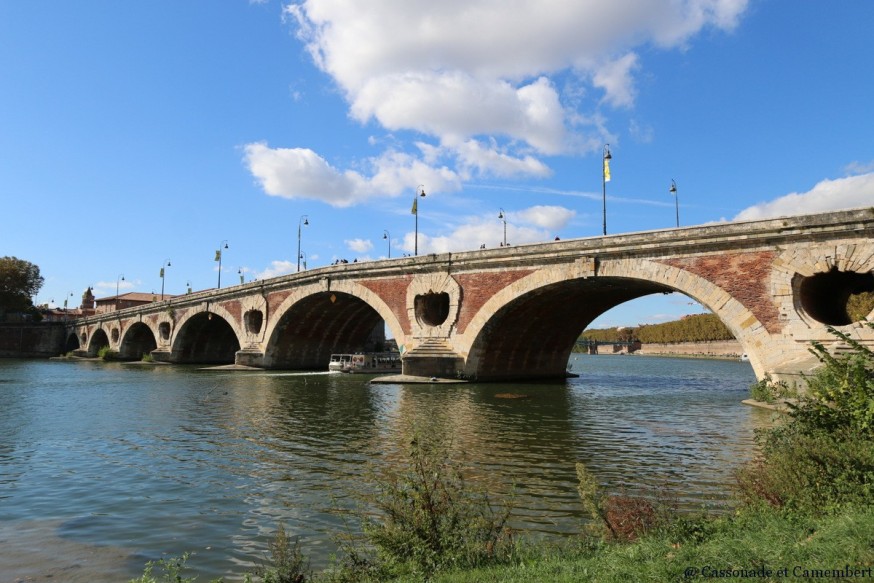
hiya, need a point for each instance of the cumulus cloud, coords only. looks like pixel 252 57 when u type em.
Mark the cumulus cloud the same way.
pixel 477 80
pixel 536 224
pixel 277 268
pixel 359 245
pixel 828 195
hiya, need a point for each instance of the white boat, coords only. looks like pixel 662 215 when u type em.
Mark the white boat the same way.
pixel 366 362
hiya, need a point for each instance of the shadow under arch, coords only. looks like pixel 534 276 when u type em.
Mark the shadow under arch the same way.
pixel 99 339
pixel 205 338
pixel 532 336
pixel 616 281
pixel 138 340
pixel 321 324
pixel 72 342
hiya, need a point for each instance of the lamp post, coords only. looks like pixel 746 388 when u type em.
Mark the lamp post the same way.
pixel 240 273
pixel 387 236
pixel 65 305
pixel 165 264
pixel 303 256
pixel 117 279
pixel 673 191
pixel 302 222
pixel 218 257
pixel 503 217
pixel 420 191
pixel 605 178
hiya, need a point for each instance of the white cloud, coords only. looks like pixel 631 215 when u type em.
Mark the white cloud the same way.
pixel 828 195
pixel 277 268
pixel 359 245
pixel 476 78
pixel 537 224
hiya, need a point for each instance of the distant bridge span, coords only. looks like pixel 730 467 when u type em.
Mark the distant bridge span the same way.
pixel 516 312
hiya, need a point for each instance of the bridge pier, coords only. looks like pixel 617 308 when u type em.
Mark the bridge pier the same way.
pixel 249 357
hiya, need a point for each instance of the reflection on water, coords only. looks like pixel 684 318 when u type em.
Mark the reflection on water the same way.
pixel 167 459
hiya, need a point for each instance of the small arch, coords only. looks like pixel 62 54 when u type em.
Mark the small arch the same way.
pixel 99 339
pixel 83 340
pixel 164 331
pixel 115 335
pixel 72 343
pixel 824 296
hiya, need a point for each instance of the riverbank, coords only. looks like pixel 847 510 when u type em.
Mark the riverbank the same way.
pixel 727 349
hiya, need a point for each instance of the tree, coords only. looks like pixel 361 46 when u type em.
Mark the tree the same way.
pixel 19 282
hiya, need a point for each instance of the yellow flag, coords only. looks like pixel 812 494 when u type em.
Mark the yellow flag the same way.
pixel 218 255
pixel 606 170
pixel 162 272
pixel 415 210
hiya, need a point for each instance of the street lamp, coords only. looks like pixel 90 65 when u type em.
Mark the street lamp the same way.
pixel 303 221
pixel 303 256
pixel 673 191
pixel 420 191
pixel 117 279
pixel 240 273
pixel 65 305
pixel 503 217
pixel 165 264
pixel 218 257
pixel 605 178
pixel 387 236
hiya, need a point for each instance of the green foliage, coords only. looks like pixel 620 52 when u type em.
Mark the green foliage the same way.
pixel 19 282
pixel 696 328
pixel 147 357
pixel 171 569
pixel 105 352
pixel 822 459
pixel 841 393
pixel 769 391
pixel 289 563
pixel 429 518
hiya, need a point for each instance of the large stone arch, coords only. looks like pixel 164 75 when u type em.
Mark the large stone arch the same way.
pixel 138 339
pixel 321 319
pixel 576 295
pixel 205 336
pixel 72 342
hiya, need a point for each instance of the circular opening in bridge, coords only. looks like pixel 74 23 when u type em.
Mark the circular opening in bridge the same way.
pixel 254 319
pixel 432 308
pixel 114 335
pixel 831 298
pixel 84 339
pixel 164 330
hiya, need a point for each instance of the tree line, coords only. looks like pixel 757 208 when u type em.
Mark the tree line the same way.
pixel 696 328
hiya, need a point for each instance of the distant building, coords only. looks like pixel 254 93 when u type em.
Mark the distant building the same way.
pixel 128 300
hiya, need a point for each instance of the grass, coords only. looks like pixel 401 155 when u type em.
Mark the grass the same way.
pixel 766 539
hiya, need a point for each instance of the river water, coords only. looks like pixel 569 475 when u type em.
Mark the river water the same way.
pixel 104 466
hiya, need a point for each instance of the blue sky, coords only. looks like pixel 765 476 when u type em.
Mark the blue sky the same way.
pixel 135 132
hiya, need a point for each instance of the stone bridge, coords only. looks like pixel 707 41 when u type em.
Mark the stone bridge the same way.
pixel 516 312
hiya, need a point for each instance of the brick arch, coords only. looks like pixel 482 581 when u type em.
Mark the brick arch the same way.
pixel 561 301
pixel 307 327
pixel 137 339
pixel 97 339
pixel 206 350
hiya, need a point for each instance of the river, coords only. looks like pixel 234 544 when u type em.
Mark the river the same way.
pixel 104 466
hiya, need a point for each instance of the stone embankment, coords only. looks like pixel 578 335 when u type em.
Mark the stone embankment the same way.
pixel 716 349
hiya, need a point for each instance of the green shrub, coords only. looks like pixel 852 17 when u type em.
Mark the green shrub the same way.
pixel 147 357
pixel 769 391
pixel 429 518
pixel 822 458
pixel 105 353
